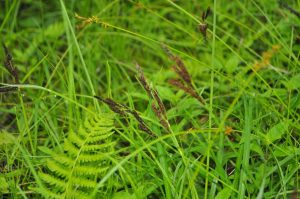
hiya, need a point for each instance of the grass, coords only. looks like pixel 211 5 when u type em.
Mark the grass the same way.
pixel 214 117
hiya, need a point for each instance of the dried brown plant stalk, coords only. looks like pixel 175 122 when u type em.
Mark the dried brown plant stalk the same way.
pixel 7 89
pixel 125 111
pixel 8 64
pixel 160 116
pixel 158 107
pixel 159 103
pixel 179 67
pixel 177 83
pixel 292 10
pixel 204 26
pixel 181 70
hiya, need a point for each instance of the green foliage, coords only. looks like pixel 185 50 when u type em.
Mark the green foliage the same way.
pixel 276 132
pixel 86 156
pixel 243 142
pixel 6 139
pixel 294 82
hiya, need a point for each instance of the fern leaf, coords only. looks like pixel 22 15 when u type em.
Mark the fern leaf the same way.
pixel 94 147
pixel 94 157
pixel 83 182
pixel 76 139
pixel 57 168
pixel 97 138
pixel 51 180
pixel 71 148
pixel 78 194
pixel 86 157
pixel 63 159
pixel 47 194
pixel 90 170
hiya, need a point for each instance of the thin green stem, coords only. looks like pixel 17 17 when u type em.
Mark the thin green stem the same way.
pixel 211 98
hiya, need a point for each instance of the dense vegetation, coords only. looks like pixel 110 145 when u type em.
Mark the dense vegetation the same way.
pixel 149 99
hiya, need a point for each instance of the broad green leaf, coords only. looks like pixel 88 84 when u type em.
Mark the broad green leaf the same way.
pixel 224 194
pixel 123 195
pixel 45 150
pixel 257 148
pixel 165 93
pixel 6 138
pixel 232 64
pixel 276 132
pixel 294 82
pixel 218 63
pixel 282 151
pixel 54 30
pixel 3 185
pixel 295 101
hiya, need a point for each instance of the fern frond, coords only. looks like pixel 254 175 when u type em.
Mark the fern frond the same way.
pixel 52 180
pixel 83 182
pixel 90 170
pixel 63 159
pixel 76 139
pixel 94 157
pixel 94 147
pixel 59 169
pixel 97 138
pixel 71 148
pixel 78 194
pixel 86 157
pixel 46 193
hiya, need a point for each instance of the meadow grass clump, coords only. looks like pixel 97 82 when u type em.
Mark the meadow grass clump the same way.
pixel 149 99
